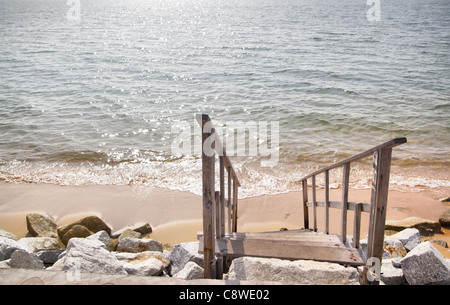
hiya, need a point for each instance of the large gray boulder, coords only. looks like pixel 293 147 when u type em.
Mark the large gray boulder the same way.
pixel 425 265
pixel 89 256
pixel 25 260
pixel 7 247
pixel 146 263
pixel 292 272
pixel 410 238
pixel 391 273
pixel 103 237
pixel 182 254
pixel 144 267
pixel 191 271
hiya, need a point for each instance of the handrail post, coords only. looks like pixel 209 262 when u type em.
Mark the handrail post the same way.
pixel 345 182
pixel 235 202
pixel 380 188
pixel 219 259
pixel 327 202
pixel 208 200
pixel 357 225
pixel 313 186
pixel 222 197
pixel 305 205
pixel 230 202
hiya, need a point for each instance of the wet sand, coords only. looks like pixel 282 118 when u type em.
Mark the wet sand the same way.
pixel 177 216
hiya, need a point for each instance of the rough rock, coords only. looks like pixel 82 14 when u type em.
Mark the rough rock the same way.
pixel 129 233
pixel 76 231
pixel 440 242
pixel 143 229
pixel 103 236
pixel 41 225
pixel 183 253
pixel 5 264
pixel 84 255
pixel 49 257
pixel 292 272
pixel 410 238
pixel 135 245
pixel 396 262
pixel 425 265
pixel 36 244
pixel 393 248
pixel 92 223
pixel 127 256
pixel 391 274
pixel 426 227
pixel 144 265
pixel 7 247
pixel 191 271
pixel 7 234
pixel 444 220
pixel 25 260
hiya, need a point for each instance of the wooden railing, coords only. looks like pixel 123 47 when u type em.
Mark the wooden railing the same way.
pixel 214 202
pixel 377 206
pixel 218 247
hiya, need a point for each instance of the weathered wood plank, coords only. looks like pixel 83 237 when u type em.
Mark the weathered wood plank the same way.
pixel 365 207
pixel 292 250
pixel 307 236
pixel 380 188
pixel 208 200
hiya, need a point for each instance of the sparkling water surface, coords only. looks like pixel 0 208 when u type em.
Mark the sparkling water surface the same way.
pixel 94 100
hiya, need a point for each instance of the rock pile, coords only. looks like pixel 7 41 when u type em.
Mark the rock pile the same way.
pixel 89 246
pixel 409 258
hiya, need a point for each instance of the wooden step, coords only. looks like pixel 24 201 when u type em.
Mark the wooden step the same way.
pixel 292 246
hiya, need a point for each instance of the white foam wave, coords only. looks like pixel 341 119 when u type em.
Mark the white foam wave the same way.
pixel 186 175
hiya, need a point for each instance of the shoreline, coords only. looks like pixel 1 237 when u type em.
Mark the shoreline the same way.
pixel 176 216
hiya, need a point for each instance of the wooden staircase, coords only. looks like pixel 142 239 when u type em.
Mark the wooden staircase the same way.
pixel 220 247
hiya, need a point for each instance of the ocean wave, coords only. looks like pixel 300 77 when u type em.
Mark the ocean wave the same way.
pixel 185 174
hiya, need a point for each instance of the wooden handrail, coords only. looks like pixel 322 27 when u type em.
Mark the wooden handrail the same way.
pixel 388 144
pixel 202 119
pixel 214 202
pixel 382 155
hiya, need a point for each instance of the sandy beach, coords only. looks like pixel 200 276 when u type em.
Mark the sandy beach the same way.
pixel 176 216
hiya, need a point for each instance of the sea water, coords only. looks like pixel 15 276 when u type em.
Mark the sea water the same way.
pixel 90 90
